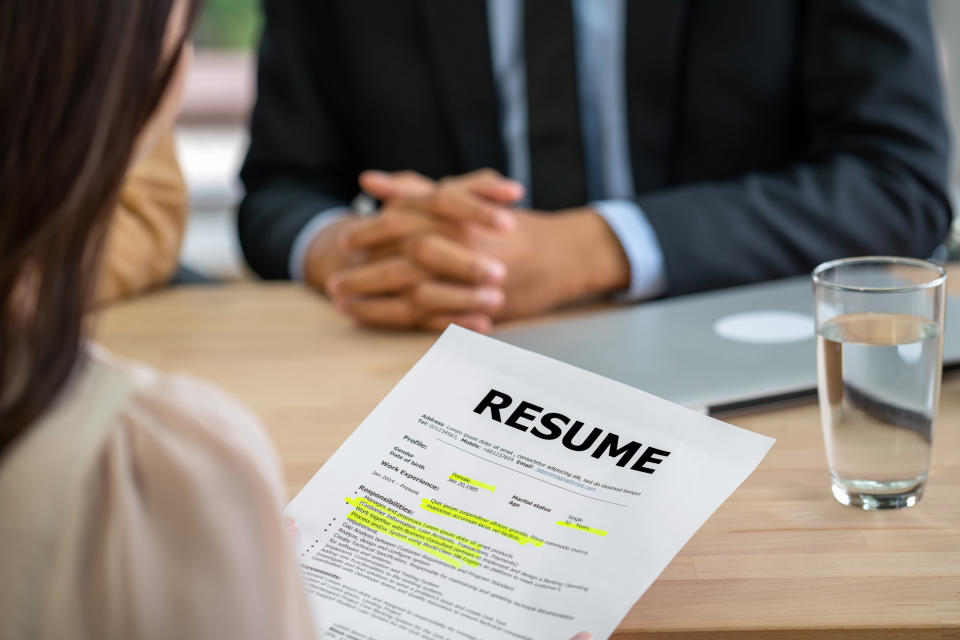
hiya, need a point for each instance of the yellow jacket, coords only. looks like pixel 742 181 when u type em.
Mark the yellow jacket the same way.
pixel 143 243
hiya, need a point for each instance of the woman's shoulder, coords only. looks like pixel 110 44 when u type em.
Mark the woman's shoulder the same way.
pixel 191 418
pixel 138 481
pixel 186 489
pixel 111 399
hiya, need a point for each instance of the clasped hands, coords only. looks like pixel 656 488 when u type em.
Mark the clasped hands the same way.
pixel 457 251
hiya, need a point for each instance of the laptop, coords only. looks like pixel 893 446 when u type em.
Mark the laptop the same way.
pixel 720 352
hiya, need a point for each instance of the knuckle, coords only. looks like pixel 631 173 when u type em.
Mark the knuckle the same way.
pixel 446 195
pixel 345 288
pixel 377 227
pixel 346 305
pixel 389 224
pixel 444 190
pixel 436 198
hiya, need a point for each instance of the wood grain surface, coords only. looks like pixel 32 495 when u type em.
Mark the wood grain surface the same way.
pixel 780 559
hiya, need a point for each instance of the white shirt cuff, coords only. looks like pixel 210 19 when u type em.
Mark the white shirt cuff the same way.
pixel 647 273
pixel 301 244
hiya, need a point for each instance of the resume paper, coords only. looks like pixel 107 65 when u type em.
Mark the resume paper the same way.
pixel 496 493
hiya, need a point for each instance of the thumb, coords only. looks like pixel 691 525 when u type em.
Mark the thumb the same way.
pixel 383 185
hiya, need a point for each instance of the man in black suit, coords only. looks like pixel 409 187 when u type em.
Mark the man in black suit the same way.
pixel 652 148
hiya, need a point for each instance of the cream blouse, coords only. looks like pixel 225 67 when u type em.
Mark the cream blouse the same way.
pixel 144 505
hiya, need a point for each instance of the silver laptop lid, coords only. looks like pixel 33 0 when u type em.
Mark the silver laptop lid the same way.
pixel 718 351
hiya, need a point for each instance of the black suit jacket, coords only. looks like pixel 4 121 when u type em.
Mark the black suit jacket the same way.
pixel 766 136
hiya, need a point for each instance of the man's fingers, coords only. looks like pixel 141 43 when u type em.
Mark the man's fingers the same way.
pixel 493 186
pixel 385 228
pixel 484 182
pixel 429 305
pixel 385 311
pixel 396 312
pixel 479 322
pixel 446 258
pixel 384 186
pixel 454 202
pixel 386 276
pixel 431 296
pixel 400 312
pixel 478 197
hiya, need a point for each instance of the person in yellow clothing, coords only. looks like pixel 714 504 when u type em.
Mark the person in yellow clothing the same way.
pixel 143 243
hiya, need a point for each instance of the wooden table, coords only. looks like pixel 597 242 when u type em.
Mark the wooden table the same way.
pixel 780 559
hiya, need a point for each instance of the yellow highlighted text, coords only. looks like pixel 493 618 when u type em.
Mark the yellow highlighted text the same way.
pixel 457 514
pixel 476 483
pixel 583 527
pixel 450 547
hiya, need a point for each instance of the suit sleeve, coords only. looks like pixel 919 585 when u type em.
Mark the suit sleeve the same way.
pixel 299 163
pixel 872 175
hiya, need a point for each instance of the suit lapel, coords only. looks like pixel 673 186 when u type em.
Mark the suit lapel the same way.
pixel 656 33
pixel 457 35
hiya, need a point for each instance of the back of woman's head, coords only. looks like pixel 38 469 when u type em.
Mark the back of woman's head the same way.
pixel 80 80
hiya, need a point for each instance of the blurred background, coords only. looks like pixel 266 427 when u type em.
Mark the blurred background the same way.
pixel 211 133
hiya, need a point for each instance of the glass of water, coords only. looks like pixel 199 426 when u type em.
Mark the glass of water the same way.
pixel 879 359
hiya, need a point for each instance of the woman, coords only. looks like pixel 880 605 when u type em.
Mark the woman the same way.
pixel 132 504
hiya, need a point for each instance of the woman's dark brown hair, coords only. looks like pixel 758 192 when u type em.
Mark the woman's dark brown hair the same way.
pixel 79 80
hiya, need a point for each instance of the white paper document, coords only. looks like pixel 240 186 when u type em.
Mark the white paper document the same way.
pixel 496 493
